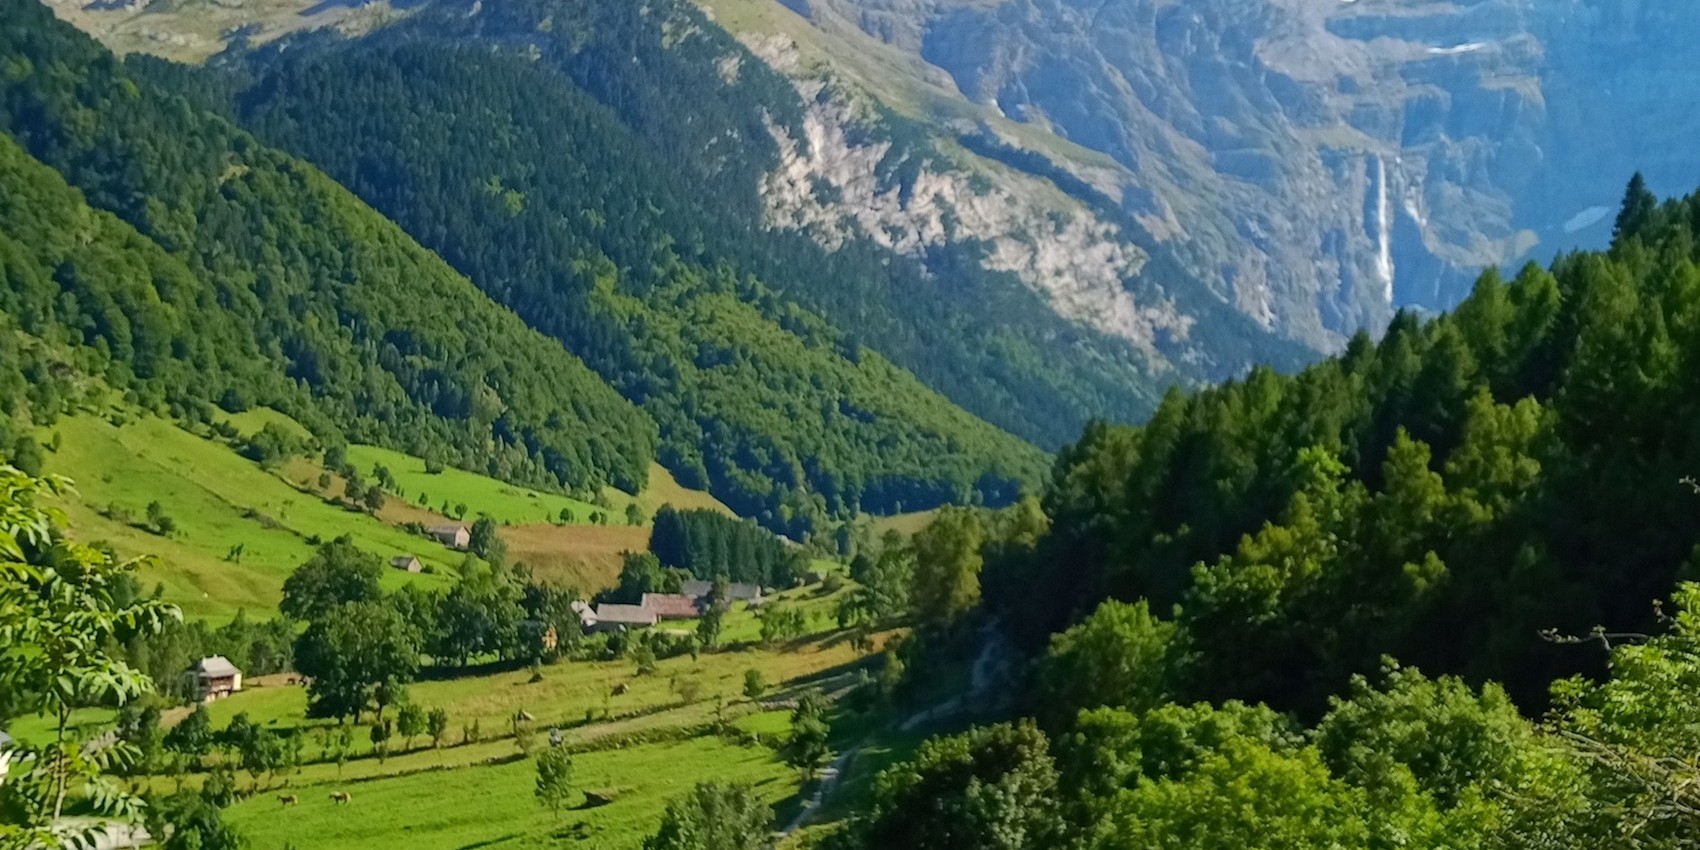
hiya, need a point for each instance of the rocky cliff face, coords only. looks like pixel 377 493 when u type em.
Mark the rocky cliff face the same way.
pixel 838 180
pixel 1322 162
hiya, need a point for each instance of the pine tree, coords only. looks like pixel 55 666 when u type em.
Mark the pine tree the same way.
pixel 1639 205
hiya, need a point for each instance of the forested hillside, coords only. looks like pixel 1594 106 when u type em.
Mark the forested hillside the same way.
pixel 698 113
pixel 537 193
pixel 1444 495
pixel 212 269
pixel 1274 616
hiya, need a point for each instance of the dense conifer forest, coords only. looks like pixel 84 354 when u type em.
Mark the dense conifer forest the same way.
pixel 1442 495
pixel 711 545
pixel 1429 593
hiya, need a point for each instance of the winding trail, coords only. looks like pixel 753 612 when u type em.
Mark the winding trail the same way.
pixel 990 667
pixel 829 777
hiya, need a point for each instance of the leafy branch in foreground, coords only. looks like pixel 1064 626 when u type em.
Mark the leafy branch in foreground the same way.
pixel 62 604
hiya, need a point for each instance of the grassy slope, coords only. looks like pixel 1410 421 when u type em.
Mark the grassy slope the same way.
pixel 663 489
pixel 492 805
pixel 907 525
pixel 193 31
pixel 218 499
pixel 586 557
pixel 477 797
pixel 511 504
pixel 251 422
pixel 579 554
pixel 508 504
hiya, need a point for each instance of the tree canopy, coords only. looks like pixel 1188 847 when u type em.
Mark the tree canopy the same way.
pixel 1512 467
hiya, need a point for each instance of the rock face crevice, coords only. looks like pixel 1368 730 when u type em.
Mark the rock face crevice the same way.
pixel 1321 163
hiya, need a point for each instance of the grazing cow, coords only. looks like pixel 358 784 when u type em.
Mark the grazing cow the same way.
pixel 341 797
pixel 620 689
pixel 287 799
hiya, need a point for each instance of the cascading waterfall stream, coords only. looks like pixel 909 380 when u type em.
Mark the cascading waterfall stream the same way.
pixel 1384 228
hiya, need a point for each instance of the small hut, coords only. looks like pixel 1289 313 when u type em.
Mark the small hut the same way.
pixel 215 677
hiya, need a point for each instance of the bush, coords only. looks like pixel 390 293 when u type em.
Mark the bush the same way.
pixel 754 684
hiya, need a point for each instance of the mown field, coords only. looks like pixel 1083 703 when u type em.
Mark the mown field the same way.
pixel 507 504
pixel 907 525
pixel 510 504
pixel 586 557
pixel 571 692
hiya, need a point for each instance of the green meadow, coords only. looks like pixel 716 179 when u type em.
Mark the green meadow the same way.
pixel 491 805
pixel 638 748
pixel 572 693
pixel 511 504
pixel 237 529
pixel 218 501
pixel 508 504
pixel 122 461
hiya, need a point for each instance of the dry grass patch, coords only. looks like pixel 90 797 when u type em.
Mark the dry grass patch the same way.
pixel 583 556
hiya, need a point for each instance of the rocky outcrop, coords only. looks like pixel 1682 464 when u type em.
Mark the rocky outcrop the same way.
pixel 844 178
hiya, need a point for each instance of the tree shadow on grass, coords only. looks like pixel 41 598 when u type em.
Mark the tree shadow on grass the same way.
pixel 488 842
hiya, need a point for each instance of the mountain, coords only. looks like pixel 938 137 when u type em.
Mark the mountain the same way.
pixel 187 265
pixel 1205 182
pixel 1315 163
pixel 756 398
pixel 1005 282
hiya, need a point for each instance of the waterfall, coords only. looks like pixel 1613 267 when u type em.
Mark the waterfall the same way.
pixel 1384 227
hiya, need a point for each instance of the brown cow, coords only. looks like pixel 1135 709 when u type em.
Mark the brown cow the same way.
pixel 341 797
pixel 287 799
pixel 621 689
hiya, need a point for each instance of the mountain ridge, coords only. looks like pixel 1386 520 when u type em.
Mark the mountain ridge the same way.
pixel 758 398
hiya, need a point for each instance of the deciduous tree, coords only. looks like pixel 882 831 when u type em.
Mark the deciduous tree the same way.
pixel 554 778
pixel 715 816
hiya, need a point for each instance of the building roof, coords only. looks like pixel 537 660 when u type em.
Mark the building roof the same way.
pixel 631 615
pixel 402 560
pixel 673 606
pixel 586 614
pixel 447 529
pixel 742 592
pixel 217 667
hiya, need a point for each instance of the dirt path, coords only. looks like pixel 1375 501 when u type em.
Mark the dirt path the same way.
pixel 829 777
pixel 989 667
